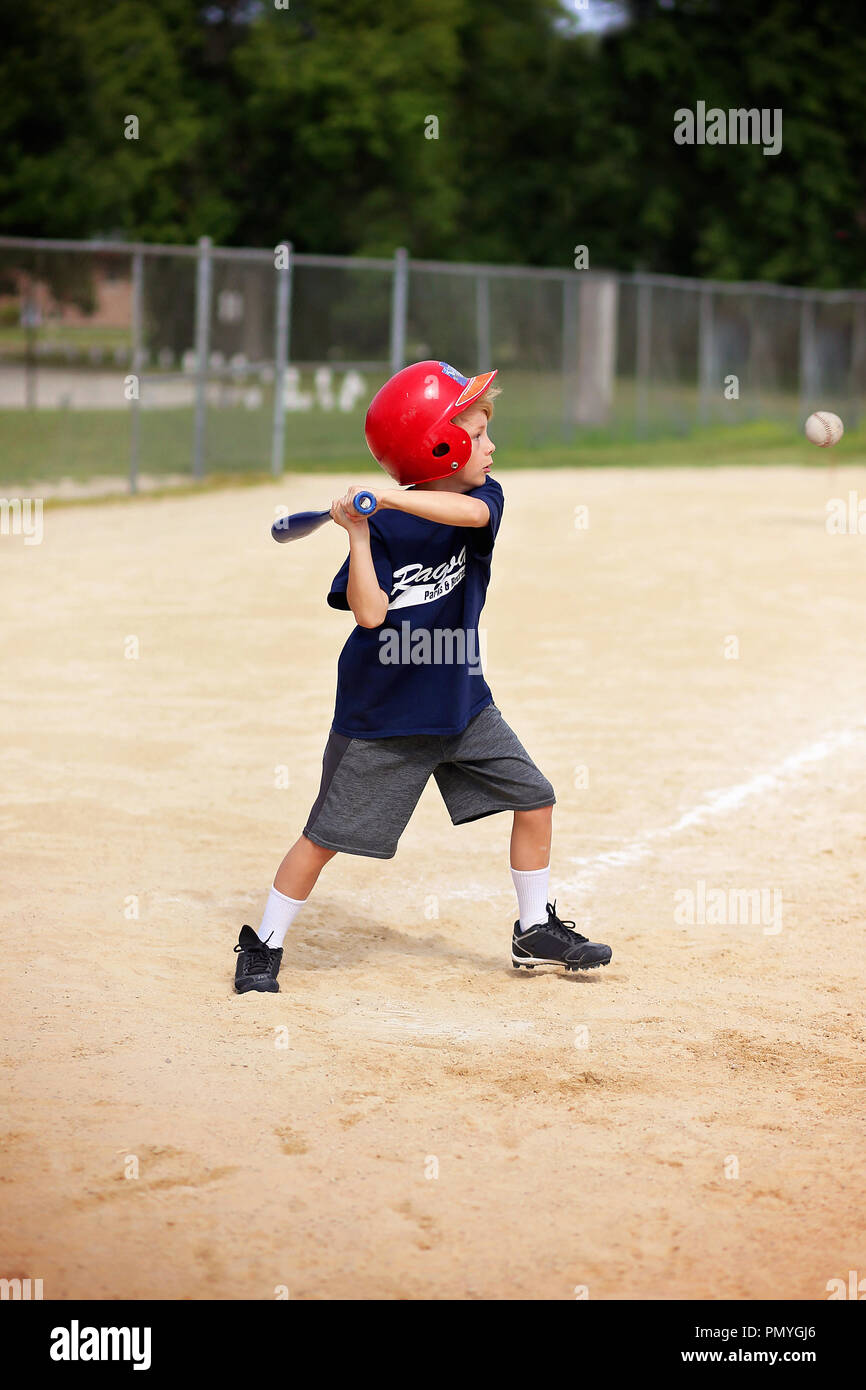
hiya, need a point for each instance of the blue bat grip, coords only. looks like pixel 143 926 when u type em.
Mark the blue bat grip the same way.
pixel 365 503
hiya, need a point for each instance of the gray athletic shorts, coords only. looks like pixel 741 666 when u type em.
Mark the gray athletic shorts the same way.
pixel 371 786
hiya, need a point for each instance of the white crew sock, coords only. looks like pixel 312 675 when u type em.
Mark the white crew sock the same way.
pixel 280 913
pixel 531 886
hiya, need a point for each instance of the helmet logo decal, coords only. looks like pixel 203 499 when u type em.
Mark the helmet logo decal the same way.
pixel 431 388
pixel 454 374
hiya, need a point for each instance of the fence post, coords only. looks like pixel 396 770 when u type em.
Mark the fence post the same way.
pixel 642 365
pixel 399 305
pixel 482 324
pixel 706 356
pixel 808 360
pixel 202 342
pixel 569 355
pixel 597 320
pixel 137 343
pixel 30 322
pixel 754 362
pixel 857 370
pixel 281 358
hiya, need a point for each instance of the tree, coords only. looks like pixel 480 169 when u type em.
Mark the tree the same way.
pixel 468 129
pixel 336 153
pixel 73 164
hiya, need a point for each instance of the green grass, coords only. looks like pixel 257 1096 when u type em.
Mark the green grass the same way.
pixel 758 442
pixel 81 335
pixel 81 444
pixel 529 429
pixel 52 444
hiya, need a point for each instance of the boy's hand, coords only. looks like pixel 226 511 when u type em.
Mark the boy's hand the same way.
pixel 343 512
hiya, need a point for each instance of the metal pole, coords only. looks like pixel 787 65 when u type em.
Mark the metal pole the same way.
pixel 399 305
pixel 29 317
pixel 202 339
pixel 753 408
pixel 482 324
pixel 807 356
pixel 281 360
pixel 137 334
pixel 706 357
pixel 569 355
pixel 644 343
pixel 857 367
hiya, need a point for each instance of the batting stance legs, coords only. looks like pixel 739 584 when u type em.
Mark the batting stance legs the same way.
pixel 530 850
pixel 539 937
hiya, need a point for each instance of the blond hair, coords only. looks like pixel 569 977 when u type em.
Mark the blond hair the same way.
pixel 484 403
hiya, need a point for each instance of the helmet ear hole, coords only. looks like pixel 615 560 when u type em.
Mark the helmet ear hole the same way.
pixel 440 450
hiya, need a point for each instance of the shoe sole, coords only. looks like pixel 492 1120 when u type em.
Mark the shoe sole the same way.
pixel 566 965
pixel 257 989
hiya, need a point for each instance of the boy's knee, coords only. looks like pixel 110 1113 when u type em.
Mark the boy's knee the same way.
pixel 317 851
pixel 540 815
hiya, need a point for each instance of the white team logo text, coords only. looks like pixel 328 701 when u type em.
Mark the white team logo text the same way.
pixel 414 583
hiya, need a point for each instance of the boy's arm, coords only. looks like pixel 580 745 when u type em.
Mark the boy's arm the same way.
pixel 364 594
pixel 449 508
pixel 367 600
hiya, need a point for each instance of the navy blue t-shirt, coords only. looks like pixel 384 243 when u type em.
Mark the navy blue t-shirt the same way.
pixel 420 672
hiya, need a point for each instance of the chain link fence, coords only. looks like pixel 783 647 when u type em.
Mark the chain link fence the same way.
pixel 126 359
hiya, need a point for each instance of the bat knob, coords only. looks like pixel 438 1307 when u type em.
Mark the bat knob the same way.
pixel 365 503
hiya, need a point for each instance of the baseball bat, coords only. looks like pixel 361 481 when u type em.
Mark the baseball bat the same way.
pixel 300 524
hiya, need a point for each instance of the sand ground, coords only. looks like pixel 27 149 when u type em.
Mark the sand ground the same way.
pixel 687 1123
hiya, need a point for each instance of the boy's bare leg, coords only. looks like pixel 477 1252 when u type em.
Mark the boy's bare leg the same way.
pixel 295 880
pixel 257 969
pixel 530 863
pixel 541 937
pixel 296 876
pixel 530 839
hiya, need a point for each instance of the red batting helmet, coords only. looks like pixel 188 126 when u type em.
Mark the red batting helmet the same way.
pixel 408 426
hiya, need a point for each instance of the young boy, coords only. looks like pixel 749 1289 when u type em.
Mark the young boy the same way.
pixel 411 697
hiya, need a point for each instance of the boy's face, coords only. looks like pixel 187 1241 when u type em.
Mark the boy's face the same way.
pixel 473 473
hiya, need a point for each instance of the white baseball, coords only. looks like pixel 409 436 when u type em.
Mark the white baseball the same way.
pixel 824 429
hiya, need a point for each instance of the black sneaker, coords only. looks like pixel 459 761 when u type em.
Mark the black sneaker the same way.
pixel 554 942
pixel 258 966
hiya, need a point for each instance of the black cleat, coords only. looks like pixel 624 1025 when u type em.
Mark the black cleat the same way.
pixel 258 966
pixel 555 942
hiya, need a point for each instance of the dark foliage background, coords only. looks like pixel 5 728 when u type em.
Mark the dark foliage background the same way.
pixel 308 123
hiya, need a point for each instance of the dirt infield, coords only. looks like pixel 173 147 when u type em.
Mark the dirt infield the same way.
pixel 685 1124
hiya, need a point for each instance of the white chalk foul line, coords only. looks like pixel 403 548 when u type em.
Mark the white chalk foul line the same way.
pixel 718 803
